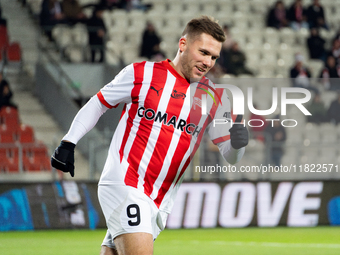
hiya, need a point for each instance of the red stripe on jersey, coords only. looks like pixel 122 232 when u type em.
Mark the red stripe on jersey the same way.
pixel 199 138
pixel 182 147
pixel 131 176
pixel 103 101
pixel 145 126
pixel 164 139
pixel 221 139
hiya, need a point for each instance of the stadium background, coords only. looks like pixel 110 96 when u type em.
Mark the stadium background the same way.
pixel 52 79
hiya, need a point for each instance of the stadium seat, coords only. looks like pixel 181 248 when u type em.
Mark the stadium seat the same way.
pixel 75 53
pixel 175 9
pixel 4 41
pixel 242 6
pixel 287 35
pixel 36 157
pixel 310 154
pixel 9 160
pixel 9 116
pixel 25 134
pixel 312 133
pixel 62 35
pixel 271 36
pixel 119 18
pixel 130 54
pixel 12 167
pixel 240 20
pixel 107 19
pixel 137 21
pixel 112 53
pixel 209 8
pixel 288 59
pixel 13 53
pixel 254 37
pixel 315 66
pixel 291 156
pixel 301 36
pixel 159 7
pixel 41 158
pixel 7 135
pixel 3 156
pixel 80 35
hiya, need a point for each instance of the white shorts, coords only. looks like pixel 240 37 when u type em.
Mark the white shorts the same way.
pixel 128 210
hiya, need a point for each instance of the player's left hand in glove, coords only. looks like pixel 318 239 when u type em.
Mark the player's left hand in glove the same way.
pixel 63 157
pixel 238 134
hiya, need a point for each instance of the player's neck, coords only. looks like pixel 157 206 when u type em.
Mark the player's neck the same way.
pixel 177 66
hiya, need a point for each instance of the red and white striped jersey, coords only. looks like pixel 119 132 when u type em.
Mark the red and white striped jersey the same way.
pixel 160 127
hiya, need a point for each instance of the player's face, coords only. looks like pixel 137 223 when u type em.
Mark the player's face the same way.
pixel 199 55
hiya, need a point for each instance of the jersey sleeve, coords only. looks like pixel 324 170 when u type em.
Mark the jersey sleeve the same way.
pixel 119 89
pixel 218 129
pixel 85 120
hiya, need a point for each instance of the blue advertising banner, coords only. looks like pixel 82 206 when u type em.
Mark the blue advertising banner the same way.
pixel 69 204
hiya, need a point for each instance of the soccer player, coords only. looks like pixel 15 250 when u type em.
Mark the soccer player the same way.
pixel 159 131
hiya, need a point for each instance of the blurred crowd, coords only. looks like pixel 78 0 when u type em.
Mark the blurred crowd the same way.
pixel 6 93
pixel 297 16
pixel 233 59
pixel 70 12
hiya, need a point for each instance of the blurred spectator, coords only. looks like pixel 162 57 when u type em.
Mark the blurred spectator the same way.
pixel 73 11
pixel 3 21
pixel 150 42
pixel 297 15
pixel 277 16
pixel 301 75
pixel 233 61
pixel 113 4
pixel 51 14
pixel 334 110
pixel 330 74
pixel 5 94
pixel 316 45
pixel 318 110
pixel 335 51
pixel 316 15
pixel 277 134
pixel 97 31
pixel 229 41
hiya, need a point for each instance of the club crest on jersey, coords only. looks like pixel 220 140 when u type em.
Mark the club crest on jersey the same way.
pixel 177 95
pixel 160 117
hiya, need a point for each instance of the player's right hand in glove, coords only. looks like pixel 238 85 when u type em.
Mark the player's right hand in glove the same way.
pixel 63 157
pixel 238 134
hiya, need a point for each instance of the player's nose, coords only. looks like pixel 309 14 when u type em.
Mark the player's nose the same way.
pixel 208 62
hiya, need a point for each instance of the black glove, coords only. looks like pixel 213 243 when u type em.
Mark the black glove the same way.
pixel 238 134
pixel 63 157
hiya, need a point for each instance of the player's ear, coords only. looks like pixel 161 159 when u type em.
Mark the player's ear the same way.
pixel 182 44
